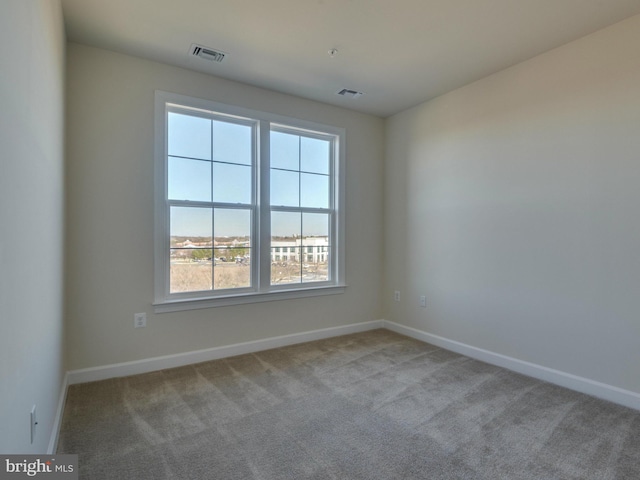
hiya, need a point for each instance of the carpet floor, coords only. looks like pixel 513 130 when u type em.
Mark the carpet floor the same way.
pixel 373 405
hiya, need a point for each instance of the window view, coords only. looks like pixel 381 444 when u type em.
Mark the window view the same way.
pixel 238 218
pixel 210 178
pixel 300 207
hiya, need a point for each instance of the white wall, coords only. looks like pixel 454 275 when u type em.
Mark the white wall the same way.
pixel 31 219
pixel 514 205
pixel 110 216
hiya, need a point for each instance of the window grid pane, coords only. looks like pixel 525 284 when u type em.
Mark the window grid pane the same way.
pixel 191 269
pixel 231 183
pixel 314 190
pixel 315 155
pixel 232 268
pixel 285 188
pixel 189 179
pixel 232 248
pixel 231 142
pixel 189 136
pixel 286 267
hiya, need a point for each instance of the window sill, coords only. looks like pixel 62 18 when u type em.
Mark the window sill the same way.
pixel 246 298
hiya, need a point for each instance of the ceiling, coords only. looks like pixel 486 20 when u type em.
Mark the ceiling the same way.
pixel 398 52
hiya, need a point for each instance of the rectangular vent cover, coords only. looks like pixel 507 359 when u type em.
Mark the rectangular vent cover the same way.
pixel 345 92
pixel 207 53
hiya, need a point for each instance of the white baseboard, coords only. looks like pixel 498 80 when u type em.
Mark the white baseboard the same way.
pixel 181 359
pixel 57 421
pixel 567 380
pixel 557 377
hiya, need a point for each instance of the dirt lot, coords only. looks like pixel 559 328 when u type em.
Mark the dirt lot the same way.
pixel 190 276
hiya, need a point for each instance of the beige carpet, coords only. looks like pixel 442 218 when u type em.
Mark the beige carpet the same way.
pixel 368 406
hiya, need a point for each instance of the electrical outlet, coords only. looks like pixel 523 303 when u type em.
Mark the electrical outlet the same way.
pixel 423 301
pixel 140 320
pixel 34 422
pixel 396 295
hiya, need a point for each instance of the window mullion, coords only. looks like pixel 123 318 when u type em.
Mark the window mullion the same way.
pixel 302 252
pixel 264 210
pixel 213 217
pixel 338 222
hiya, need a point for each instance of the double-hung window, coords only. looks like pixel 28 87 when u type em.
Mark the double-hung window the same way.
pixel 249 205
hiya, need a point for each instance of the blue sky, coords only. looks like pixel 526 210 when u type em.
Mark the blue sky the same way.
pixel 210 160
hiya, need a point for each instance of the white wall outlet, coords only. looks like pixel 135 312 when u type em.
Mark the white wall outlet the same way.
pixel 34 422
pixel 396 295
pixel 423 301
pixel 140 320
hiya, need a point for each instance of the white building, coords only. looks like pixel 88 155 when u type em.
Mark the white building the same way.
pixel 309 250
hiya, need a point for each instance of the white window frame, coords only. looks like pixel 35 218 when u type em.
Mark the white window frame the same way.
pixel 261 290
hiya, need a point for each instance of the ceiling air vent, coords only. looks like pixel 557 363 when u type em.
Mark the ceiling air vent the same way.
pixel 207 53
pixel 345 92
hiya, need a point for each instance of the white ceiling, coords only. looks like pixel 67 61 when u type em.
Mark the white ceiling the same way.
pixel 398 52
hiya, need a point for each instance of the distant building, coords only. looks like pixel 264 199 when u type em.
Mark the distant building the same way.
pixel 307 250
